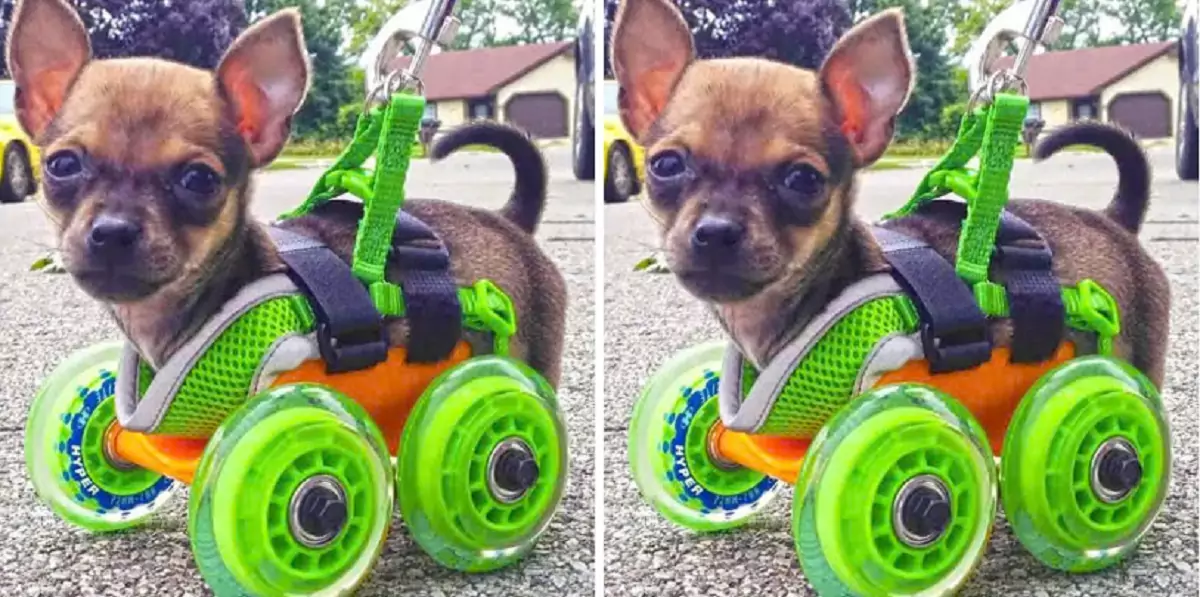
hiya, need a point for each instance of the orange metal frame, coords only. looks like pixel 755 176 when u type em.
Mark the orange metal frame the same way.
pixel 387 392
pixel 991 392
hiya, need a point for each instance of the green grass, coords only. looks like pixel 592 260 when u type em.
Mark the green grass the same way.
pixel 887 164
pixel 286 163
pixel 930 149
pixel 299 150
pixel 308 148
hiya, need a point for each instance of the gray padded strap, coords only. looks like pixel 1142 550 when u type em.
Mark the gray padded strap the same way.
pixel 749 415
pixel 144 415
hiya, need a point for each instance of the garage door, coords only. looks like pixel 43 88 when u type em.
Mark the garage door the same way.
pixel 1146 115
pixel 544 115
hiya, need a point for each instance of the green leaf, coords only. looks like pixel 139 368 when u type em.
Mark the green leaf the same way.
pixel 49 264
pixel 41 263
pixel 653 264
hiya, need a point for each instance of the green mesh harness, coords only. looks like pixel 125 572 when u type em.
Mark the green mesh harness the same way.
pixel 874 326
pixel 264 330
pixel 270 326
pixel 824 380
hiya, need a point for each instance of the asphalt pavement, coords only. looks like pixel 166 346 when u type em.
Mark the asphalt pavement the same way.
pixel 648 318
pixel 44 318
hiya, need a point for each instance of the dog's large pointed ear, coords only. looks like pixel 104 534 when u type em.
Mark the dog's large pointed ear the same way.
pixel 868 76
pixel 651 47
pixel 265 76
pixel 47 48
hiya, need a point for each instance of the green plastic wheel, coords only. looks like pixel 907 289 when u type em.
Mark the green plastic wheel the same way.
pixel 66 455
pixel 293 496
pixel 897 496
pixel 1086 464
pixel 673 467
pixel 482 464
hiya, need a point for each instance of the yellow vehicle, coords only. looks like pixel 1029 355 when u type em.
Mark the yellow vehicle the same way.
pixel 624 159
pixel 21 165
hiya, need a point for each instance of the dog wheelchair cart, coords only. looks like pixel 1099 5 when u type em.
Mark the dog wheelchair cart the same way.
pixel 296 424
pixel 887 412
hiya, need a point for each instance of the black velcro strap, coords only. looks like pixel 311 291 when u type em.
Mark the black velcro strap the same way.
pixel 430 293
pixel 954 331
pixel 350 330
pixel 1024 263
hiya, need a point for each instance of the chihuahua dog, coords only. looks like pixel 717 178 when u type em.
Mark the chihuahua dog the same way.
pixel 148 181
pixel 751 176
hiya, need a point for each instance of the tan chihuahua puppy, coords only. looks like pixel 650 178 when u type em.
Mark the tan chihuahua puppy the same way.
pixel 148 179
pixel 751 174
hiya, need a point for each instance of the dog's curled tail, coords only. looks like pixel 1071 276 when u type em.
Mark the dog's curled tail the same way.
pixel 528 199
pixel 1128 206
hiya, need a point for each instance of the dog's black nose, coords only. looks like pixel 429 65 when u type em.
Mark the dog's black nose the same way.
pixel 715 233
pixel 113 235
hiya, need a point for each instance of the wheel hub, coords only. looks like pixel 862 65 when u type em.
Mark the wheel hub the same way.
pixel 110 450
pixel 512 470
pixel 714 454
pixel 921 511
pixel 317 511
pixel 1116 470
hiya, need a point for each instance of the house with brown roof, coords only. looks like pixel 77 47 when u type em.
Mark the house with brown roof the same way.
pixel 530 86
pixel 1133 85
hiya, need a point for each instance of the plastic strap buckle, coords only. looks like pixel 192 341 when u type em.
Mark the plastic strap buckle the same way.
pixel 487 308
pixel 1096 310
pixel 351 350
pixel 955 350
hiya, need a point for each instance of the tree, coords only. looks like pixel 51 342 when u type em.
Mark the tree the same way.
pixel 797 32
pixel 332 79
pixel 1081 22
pixel 1142 21
pixel 970 17
pixel 196 32
pixel 477 27
pixel 539 21
pixel 489 23
pixel 367 18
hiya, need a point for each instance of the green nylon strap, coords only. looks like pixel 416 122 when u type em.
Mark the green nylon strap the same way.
pixel 401 120
pixel 992 133
pixel 388 133
pixel 485 308
pixel 966 145
pixel 1002 132
pixel 334 182
pixel 1089 308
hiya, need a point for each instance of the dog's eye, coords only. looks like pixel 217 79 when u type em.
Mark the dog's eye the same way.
pixel 64 164
pixel 198 179
pixel 802 179
pixel 667 164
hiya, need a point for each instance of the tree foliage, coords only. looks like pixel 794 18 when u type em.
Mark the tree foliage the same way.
pixel 1144 21
pixel 478 24
pixel 366 18
pixel 539 21
pixel 195 32
pixel 1140 21
pixel 489 23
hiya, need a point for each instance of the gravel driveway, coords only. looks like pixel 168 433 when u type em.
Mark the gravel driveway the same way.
pixel 44 318
pixel 648 318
